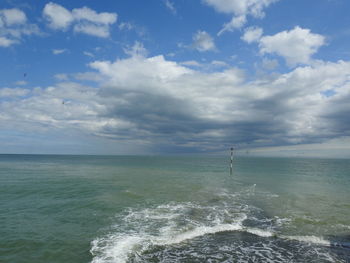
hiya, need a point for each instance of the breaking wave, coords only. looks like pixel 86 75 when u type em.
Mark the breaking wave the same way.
pixel 217 232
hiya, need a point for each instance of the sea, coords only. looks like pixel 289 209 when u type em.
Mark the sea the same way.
pixel 114 209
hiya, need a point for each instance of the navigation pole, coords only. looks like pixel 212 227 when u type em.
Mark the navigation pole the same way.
pixel 231 164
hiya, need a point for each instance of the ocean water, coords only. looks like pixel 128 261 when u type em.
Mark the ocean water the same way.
pixel 173 209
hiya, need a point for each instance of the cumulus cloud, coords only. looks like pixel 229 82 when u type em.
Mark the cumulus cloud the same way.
pixel 13 16
pixel 90 15
pixel 85 20
pixel 202 41
pixel 57 16
pixel 252 34
pixel 162 103
pixel 13 26
pixel 240 9
pixel 296 46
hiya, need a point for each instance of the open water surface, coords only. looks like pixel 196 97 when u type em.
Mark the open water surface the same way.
pixel 173 209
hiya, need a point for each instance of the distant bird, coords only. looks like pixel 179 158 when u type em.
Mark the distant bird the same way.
pixel 24 75
pixel 63 102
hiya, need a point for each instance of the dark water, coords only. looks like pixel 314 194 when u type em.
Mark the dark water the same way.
pixel 173 209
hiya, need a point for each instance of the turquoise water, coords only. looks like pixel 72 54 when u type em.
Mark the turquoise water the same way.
pixel 173 209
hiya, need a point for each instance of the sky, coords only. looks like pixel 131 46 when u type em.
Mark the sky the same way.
pixel 268 77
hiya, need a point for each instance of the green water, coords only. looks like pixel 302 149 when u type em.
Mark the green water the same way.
pixel 173 209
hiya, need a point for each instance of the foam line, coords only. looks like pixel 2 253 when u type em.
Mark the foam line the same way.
pixel 309 239
pixel 197 232
pixel 259 232
pixel 117 249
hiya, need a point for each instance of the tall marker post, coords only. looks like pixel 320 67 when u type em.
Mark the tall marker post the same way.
pixel 231 164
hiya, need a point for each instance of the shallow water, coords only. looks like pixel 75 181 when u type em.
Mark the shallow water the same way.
pixel 173 209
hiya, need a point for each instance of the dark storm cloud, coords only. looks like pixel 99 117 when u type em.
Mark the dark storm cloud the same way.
pixel 171 108
pixel 215 110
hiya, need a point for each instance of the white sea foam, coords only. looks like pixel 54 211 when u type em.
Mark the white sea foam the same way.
pixel 164 225
pixel 174 223
pixel 114 249
pixel 309 239
pixel 117 248
pixel 196 232
pixel 259 232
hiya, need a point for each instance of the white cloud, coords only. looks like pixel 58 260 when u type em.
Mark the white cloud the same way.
pixel 88 54
pixel 138 72
pixel 136 50
pixel 202 41
pixel 13 16
pixel 125 26
pixel 59 51
pixel 85 20
pixel 162 103
pixel 191 63
pixel 21 83
pixel 296 46
pixel 213 65
pixel 235 23
pixel 22 30
pixel 240 9
pixel 170 5
pixel 61 77
pixel 57 16
pixel 13 25
pixel 93 30
pixel 289 109
pixel 269 64
pixel 171 54
pixel 252 34
pixel 88 76
pixel 5 42
pixel 90 15
pixel 141 31
pixel 14 92
pixel 219 63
